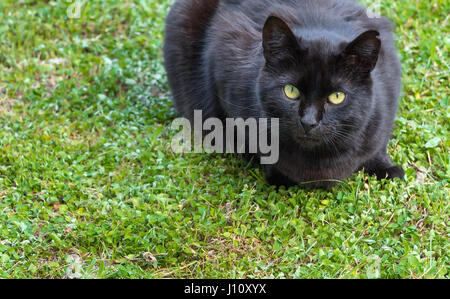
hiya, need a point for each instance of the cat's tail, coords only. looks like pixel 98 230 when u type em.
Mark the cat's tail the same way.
pixel 186 29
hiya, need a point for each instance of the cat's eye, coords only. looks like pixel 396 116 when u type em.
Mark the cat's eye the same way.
pixel 337 98
pixel 292 92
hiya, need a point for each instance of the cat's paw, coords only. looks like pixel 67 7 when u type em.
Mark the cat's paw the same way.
pixel 275 178
pixel 391 173
pixel 279 181
pixel 395 172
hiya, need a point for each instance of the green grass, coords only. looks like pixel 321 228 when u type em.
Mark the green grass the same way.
pixel 90 188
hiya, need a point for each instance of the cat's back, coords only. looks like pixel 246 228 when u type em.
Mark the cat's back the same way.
pixel 344 18
pixel 185 33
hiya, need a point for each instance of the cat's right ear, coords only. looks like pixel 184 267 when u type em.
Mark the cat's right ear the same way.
pixel 279 42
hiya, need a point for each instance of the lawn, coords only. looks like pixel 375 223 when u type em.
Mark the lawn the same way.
pixel 90 188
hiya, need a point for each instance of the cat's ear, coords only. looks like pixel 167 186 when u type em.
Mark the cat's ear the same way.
pixel 279 42
pixel 363 52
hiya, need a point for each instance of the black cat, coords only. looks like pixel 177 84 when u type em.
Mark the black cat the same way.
pixel 329 72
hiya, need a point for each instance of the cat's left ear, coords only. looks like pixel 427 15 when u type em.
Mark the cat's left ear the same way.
pixel 279 42
pixel 363 52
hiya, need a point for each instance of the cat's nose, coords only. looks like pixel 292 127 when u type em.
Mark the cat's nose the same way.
pixel 309 118
pixel 309 124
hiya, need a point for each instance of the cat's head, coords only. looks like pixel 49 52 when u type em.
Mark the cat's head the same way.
pixel 319 86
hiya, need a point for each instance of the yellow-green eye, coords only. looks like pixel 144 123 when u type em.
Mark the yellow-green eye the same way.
pixel 337 98
pixel 292 92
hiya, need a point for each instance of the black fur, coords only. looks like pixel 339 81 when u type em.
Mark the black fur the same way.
pixel 232 58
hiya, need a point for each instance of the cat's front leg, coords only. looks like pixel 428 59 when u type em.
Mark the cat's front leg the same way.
pixel 382 167
pixel 276 178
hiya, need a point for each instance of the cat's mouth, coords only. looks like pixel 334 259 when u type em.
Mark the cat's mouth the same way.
pixel 309 141
pixel 306 137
